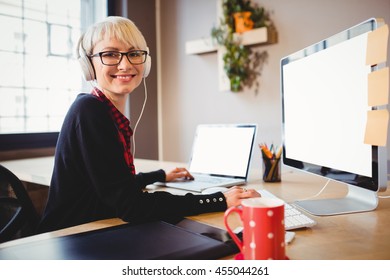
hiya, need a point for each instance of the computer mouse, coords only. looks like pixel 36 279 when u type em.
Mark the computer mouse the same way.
pixel 214 190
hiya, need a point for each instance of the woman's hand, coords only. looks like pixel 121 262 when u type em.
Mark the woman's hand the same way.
pixel 236 194
pixel 178 173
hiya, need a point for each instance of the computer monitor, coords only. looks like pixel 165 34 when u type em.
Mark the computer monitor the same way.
pixel 324 111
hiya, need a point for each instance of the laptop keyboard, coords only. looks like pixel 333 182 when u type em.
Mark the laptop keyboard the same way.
pixel 202 182
pixel 293 218
pixel 211 179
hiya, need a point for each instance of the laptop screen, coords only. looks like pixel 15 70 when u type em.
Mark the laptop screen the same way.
pixel 222 150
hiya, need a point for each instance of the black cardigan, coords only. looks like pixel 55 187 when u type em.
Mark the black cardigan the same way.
pixel 91 180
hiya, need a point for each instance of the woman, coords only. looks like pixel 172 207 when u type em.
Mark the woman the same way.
pixel 94 175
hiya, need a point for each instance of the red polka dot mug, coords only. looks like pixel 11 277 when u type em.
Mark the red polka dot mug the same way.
pixel 264 230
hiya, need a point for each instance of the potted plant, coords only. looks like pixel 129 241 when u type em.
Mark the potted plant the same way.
pixel 243 21
pixel 253 15
pixel 241 65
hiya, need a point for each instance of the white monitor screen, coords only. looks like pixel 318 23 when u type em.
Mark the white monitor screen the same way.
pixel 325 107
pixel 324 89
pixel 222 149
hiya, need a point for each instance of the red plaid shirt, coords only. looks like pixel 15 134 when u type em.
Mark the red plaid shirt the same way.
pixel 124 130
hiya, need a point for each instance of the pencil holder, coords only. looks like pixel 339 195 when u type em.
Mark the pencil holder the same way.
pixel 271 169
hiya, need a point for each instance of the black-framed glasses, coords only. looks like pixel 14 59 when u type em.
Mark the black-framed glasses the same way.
pixel 112 58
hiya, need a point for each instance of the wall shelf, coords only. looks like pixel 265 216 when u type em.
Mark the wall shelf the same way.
pixel 256 36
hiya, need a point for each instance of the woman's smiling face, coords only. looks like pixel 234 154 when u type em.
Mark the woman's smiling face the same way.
pixel 118 80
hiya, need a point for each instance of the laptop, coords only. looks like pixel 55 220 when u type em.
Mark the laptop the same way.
pixel 220 157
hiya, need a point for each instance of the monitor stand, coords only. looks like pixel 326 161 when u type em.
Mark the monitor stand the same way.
pixel 356 200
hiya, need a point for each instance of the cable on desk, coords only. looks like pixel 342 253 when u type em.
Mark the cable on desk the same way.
pixel 317 194
pixel 386 196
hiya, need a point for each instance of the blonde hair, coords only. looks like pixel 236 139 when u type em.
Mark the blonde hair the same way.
pixel 120 28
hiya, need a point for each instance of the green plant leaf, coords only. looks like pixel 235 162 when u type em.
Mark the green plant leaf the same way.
pixel 240 65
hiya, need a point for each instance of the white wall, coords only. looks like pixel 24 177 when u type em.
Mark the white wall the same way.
pixel 190 92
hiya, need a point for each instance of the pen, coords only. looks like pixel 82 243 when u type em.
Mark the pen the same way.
pixel 271 158
pixel 265 151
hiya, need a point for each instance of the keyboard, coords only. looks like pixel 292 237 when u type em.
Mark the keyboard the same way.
pixel 201 183
pixel 211 179
pixel 293 217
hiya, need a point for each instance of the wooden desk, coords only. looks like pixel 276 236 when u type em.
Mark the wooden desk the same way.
pixel 39 170
pixel 32 170
pixel 352 236
pixel 36 174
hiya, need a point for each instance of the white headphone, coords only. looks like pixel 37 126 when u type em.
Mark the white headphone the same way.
pixel 87 68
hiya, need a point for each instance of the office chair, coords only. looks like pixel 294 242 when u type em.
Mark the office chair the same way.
pixel 18 216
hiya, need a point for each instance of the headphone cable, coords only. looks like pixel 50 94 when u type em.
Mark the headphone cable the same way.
pixel 140 116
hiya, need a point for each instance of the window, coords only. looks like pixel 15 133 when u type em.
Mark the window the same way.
pixel 40 75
